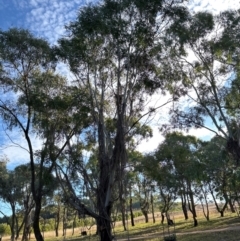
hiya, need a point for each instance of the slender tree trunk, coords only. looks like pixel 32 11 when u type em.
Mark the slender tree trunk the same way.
pixel 57 220
pixel 184 206
pixel 191 205
pixel 64 221
pixel 219 209
pixel 162 217
pixel 123 213
pixel 13 222
pixel 205 211
pixel 74 222
pixel 131 213
pixel 152 209
pixel 122 205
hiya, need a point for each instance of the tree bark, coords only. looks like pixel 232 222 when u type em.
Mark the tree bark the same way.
pixel 36 220
pixel 184 206
pixel 131 213
pixel 231 206
pixel 191 205
pixel 162 217
pixel 57 220
pixel 152 209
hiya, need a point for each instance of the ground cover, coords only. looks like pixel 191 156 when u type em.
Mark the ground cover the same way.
pixel 218 228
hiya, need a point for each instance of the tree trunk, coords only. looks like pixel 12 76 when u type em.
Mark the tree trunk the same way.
pixel 184 206
pixel 57 221
pixel 205 211
pixel 191 205
pixel 162 218
pixel 219 209
pixel 123 214
pixel 104 224
pixel 145 213
pixel 64 221
pixel 231 206
pixel 131 213
pixel 36 220
pixel 122 204
pixel 195 222
pixel 152 209
pixel 13 222
pixel 74 223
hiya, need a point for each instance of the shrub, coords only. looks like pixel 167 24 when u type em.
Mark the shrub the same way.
pixel 4 229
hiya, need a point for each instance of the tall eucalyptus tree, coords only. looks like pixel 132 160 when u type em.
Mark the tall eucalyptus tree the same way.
pixel 35 101
pixel 114 48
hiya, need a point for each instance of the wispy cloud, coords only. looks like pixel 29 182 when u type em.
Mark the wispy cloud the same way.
pixel 48 18
pixel 213 6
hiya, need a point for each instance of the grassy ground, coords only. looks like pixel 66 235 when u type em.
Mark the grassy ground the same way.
pixel 219 229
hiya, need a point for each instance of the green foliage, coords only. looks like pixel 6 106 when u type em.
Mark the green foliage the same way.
pixel 4 229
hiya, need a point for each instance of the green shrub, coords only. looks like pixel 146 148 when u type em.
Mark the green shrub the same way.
pixel 4 229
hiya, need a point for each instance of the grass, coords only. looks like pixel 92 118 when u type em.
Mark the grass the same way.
pixel 218 228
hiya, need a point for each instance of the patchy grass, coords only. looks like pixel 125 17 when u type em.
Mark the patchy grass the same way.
pixel 218 228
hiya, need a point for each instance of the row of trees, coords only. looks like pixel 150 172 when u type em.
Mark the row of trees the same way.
pixel 120 53
pixel 195 172
pixel 182 168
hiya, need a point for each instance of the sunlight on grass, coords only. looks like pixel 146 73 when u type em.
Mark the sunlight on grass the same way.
pixel 183 228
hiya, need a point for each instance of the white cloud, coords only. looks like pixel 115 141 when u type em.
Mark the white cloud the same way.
pixel 48 18
pixel 213 6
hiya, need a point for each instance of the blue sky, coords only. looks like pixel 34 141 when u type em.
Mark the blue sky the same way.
pixel 46 19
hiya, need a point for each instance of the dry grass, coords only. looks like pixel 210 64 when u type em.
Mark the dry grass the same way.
pixel 219 229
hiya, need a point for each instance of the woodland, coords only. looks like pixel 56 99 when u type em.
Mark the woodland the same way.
pixel 120 55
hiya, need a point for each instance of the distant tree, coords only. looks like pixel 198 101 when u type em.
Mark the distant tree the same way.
pixel 218 172
pixel 177 156
pixel 166 183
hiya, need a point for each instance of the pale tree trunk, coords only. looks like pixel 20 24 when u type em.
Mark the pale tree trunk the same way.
pixel 205 210
pixel 219 209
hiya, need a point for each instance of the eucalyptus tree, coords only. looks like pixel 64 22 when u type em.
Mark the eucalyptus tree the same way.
pixel 206 61
pixel 112 49
pixel 36 102
pixel 178 154
pixel 15 191
pixel 218 173
pixel 166 183
pixel 10 193
pixel 23 174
